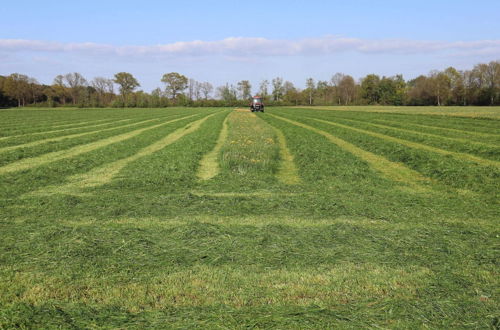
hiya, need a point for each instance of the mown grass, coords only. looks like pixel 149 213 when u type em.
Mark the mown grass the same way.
pixel 455 111
pixel 344 246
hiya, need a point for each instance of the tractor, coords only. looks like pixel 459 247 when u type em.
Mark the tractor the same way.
pixel 257 104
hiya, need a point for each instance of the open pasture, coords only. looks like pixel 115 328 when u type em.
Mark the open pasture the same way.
pixel 221 218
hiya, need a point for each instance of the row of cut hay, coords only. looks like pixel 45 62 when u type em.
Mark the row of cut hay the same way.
pixel 63 130
pixel 41 121
pixel 104 174
pixel 391 170
pixel 463 176
pixel 480 149
pixel 443 130
pixel 76 135
pixel 209 164
pixel 473 125
pixel 461 140
pixel 34 128
pixel 458 155
pixel 29 163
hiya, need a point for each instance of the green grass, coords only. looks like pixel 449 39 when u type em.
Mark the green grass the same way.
pixel 298 224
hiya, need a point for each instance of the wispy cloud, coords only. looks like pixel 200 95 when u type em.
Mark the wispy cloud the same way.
pixel 247 47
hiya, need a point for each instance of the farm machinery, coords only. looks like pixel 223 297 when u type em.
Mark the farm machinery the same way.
pixel 257 104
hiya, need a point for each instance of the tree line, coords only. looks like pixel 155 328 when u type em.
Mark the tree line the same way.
pixel 478 86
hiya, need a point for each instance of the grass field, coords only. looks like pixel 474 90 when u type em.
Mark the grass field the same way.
pixel 221 218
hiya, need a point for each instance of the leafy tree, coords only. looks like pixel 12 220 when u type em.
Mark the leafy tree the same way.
pixel 323 91
pixel 104 89
pixel 392 90
pixel 487 82
pixel 335 82
pixel 75 83
pixel 277 88
pixel 421 91
pixel 457 85
pixel 61 92
pixel 227 93
pixel 264 88
pixel 174 83
pixel 310 87
pixel 127 83
pixel 206 89
pixel 4 99
pixel 16 86
pixel 370 89
pixel 291 94
pixel 245 89
pixel 441 87
pixel 347 89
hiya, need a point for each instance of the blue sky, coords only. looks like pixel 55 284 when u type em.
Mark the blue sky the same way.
pixel 227 41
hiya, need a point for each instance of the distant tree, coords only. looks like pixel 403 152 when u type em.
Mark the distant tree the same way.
pixel 487 82
pixel 347 89
pixel 441 87
pixel 35 90
pixel 75 82
pixel 206 89
pixel 370 89
pixel 322 91
pixel 197 90
pixel 335 82
pixel 4 99
pixel 421 91
pixel 16 86
pixel 174 83
pixel 277 88
pixel 310 87
pixel 457 85
pixel 60 90
pixel 191 89
pixel 227 93
pixel 290 93
pixel 127 83
pixel 264 88
pixel 245 89
pixel 104 89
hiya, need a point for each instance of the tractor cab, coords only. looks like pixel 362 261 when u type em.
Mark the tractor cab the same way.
pixel 257 104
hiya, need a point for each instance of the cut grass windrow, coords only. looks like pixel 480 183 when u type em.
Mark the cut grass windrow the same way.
pixel 209 165
pixel 454 130
pixel 104 174
pixel 453 139
pixel 288 173
pixel 29 163
pixel 390 170
pixel 462 156
pixel 49 125
pixel 72 136
pixel 111 122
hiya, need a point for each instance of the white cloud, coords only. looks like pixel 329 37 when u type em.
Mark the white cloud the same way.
pixel 248 47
